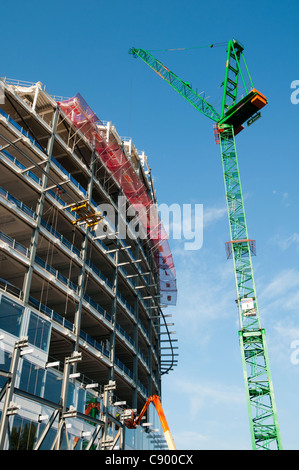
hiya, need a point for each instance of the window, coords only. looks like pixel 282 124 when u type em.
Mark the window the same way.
pixel 52 386
pixel 22 434
pixel 31 378
pixel 71 395
pixel 5 360
pixel 38 332
pixel 81 400
pixel 11 315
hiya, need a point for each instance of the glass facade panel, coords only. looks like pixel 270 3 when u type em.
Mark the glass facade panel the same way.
pixel 31 378
pixel 39 331
pixel 52 387
pixel 50 437
pixel 11 315
pixel 5 359
pixel 22 434
pixel 71 395
pixel 81 400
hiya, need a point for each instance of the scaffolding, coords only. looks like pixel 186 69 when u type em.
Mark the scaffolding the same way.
pixel 114 157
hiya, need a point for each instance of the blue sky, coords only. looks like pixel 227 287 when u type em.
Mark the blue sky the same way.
pixel 73 46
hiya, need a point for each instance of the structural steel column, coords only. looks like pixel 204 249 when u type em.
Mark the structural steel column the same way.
pixel 114 303
pixel 82 277
pixel 135 360
pixel 8 406
pixel 39 209
pixel 68 362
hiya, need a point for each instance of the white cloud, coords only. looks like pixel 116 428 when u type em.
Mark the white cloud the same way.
pixel 284 197
pixel 287 331
pixel 186 223
pixel 206 293
pixel 284 244
pixel 283 333
pixel 208 395
pixel 283 291
pixel 207 404
pixel 279 304
pixel 282 283
pixel 185 439
pixel 213 214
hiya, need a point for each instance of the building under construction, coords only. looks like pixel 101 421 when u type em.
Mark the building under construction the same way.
pixel 85 271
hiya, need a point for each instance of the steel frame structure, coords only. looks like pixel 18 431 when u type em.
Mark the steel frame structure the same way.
pixel 128 333
pixel 61 413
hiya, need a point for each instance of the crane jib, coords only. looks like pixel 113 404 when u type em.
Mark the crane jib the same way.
pixel 182 87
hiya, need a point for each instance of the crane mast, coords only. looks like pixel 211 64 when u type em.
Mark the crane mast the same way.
pixel 264 427
pixel 261 405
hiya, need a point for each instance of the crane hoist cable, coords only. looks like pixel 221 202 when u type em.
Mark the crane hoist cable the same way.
pixel 216 44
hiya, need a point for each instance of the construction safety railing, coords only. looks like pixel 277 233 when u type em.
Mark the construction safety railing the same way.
pixel 28 211
pixel 61 320
pixel 64 280
pixel 88 339
pixel 16 162
pixel 14 244
pixel 21 130
pixel 111 154
pixel 20 205
pixel 77 185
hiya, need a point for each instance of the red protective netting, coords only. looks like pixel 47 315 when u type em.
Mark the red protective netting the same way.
pixel 112 155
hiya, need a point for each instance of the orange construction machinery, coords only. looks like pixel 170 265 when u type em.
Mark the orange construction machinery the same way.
pixel 131 420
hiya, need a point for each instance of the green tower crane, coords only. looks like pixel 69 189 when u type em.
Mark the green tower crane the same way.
pixel 235 111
